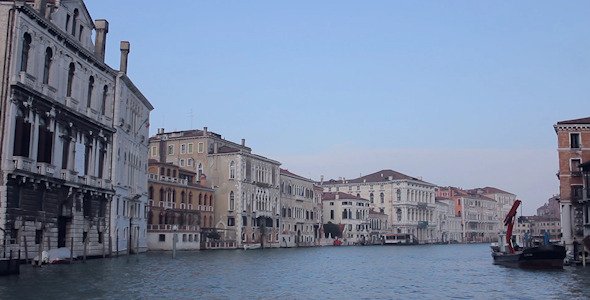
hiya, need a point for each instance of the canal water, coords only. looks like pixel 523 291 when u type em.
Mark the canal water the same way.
pixel 370 272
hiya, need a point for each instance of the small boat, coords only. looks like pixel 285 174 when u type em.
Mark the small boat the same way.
pixel 337 242
pixel 546 256
pixel 251 246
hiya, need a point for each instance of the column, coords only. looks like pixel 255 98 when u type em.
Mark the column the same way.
pixel 566 225
pixel 34 137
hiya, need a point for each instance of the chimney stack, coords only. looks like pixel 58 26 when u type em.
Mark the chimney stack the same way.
pixel 41 6
pixel 205 131
pixel 125 47
pixel 102 28
pixel 160 130
pixel 244 142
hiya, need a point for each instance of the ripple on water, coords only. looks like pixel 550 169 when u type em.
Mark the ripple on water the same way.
pixel 376 272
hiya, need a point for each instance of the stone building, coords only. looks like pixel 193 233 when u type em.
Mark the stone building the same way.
pixel 351 213
pixel 504 200
pixel 479 214
pixel 130 148
pixel 378 226
pixel 178 204
pixel 246 185
pixel 573 149
pixel 550 209
pixel 58 100
pixel 300 211
pixel 408 201
pixel 449 229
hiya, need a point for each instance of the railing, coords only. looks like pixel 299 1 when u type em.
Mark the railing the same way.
pixel 45 169
pixel 23 163
pixel 220 245
pixel 170 227
pixel 72 103
pixel 69 175
pixel 49 91
pixel 27 79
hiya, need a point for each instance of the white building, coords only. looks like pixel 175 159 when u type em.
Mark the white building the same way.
pixel 300 211
pixel 351 213
pixel 129 207
pixel 408 201
pixel 449 227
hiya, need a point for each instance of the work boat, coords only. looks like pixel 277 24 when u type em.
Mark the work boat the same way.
pixel 546 256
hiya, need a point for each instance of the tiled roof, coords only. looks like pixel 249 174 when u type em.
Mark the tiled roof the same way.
pixel 341 196
pixel 490 190
pixel 288 173
pixel 380 176
pixel 576 121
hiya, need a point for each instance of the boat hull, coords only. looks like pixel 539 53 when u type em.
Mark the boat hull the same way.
pixel 542 257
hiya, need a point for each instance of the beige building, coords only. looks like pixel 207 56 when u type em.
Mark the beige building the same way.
pixel 408 201
pixel 351 213
pixel 504 200
pixel 247 209
pixel 300 211
pixel 449 228
pixel 378 226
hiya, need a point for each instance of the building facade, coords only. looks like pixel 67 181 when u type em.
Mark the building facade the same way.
pixel 479 214
pixel 178 204
pixel 408 201
pixel 300 211
pixel 57 129
pixel 351 213
pixel 246 185
pixel 550 209
pixel 130 146
pixel 573 149
pixel 449 228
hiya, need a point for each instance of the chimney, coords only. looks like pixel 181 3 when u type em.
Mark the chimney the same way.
pixel 125 47
pixel 244 142
pixel 205 131
pixel 102 28
pixel 41 6
pixel 203 180
pixel 160 130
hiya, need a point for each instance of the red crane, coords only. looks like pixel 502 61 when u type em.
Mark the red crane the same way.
pixel 509 222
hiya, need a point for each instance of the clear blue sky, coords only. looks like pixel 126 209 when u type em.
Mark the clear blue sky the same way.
pixel 461 93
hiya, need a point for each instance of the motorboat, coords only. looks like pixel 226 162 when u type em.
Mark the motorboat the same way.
pixel 251 246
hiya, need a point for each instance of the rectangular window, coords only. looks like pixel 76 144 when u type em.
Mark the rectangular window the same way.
pixel 182 162
pixel 154 151
pixel 190 148
pixel 231 221
pixel 161 237
pixel 183 149
pixel 201 148
pixel 170 149
pixel 80 33
pixel 574 140
pixel 575 165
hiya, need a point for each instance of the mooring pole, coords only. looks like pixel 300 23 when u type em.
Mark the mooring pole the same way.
pixel 71 249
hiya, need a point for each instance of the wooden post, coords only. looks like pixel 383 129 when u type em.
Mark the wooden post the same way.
pixel 48 243
pixel 71 250
pixel 137 242
pixel 39 262
pixel 26 250
pixel 85 247
pixel 103 246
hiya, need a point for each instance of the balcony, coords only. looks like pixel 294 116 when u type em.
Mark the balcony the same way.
pixel 72 103
pixel 46 169
pixel 49 91
pixel 167 205
pixel 69 175
pixel 576 174
pixel 23 163
pixel 27 79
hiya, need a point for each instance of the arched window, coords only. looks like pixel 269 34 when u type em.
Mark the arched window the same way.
pixel 232 170
pixel 22 129
pixel 90 89
pixel 47 65
pixel 382 197
pixel 25 52
pixel 103 104
pixel 161 194
pixel 71 72
pixel 190 197
pixel 200 199
pixel 200 170
pixel 371 197
pixel 231 200
pixel 151 192
pixel 76 13
pixel 182 197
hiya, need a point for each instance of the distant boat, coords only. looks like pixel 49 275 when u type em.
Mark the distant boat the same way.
pixel 251 246
pixel 539 257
